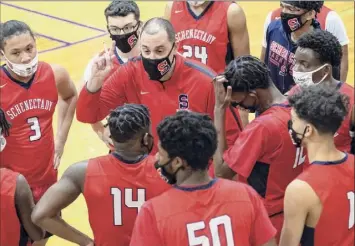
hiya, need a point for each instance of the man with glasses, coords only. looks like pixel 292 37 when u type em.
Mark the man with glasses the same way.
pixel 123 25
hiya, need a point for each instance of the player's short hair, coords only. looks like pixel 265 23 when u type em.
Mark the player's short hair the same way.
pixel 246 73
pixel 155 24
pixel 122 8
pixel 13 28
pixel 307 5
pixel 324 44
pixel 190 136
pixel 4 124
pixel 128 121
pixel 321 106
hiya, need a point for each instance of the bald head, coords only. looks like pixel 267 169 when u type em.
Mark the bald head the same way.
pixel 155 25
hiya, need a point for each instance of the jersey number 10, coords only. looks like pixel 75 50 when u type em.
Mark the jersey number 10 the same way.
pixel 197 52
pixel 214 223
pixel 128 202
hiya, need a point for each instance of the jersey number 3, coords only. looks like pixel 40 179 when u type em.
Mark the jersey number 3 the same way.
pixel 214 223
pixel 197 52
pixel 35 127
pixel 127 200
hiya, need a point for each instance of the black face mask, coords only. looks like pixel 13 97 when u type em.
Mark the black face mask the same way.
pixel 168 177
pixel 291 22
pixel 147 145
pixel 125 42
pixel 157 68
pixel 297 141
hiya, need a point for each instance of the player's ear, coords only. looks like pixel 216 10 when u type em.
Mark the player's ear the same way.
pixel 146 139
pixel 309 130
pixel 310 15
pixel 177 163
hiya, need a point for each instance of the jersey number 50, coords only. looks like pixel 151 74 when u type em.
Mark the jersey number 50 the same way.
pixel 224 220
pixel 197 52
pixel 35 127
pixel 128 202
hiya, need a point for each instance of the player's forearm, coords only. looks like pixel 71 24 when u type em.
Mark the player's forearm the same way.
pixel 60 228
pixel 289 238
pixel 344 67
pixel 219 122
pixel 88 106
pixel 66 110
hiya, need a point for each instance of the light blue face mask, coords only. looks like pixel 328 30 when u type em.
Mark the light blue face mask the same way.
pixel 2 141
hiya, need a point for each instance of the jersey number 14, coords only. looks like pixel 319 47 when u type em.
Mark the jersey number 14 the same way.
pixel 126 200
pixel 196 52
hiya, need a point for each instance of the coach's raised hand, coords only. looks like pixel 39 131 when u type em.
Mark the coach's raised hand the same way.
pixel 101 68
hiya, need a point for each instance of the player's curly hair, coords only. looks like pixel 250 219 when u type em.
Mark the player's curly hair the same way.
pixel 128 121
pixel 190 136
pixel 307 5
pixel 246 73
pixel 326 113
pixel 4 124
pixel 324 44
pixel 122 8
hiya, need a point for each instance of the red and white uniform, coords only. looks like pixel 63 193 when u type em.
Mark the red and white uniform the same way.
pixel 198 37
pixel 114 192
pixel 333 182
pixel 221 212
pixel 30 107
pixel 10 227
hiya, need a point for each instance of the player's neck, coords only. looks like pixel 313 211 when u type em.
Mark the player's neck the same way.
pixel 304 29
pixel 323 149
pixel 193 178
pixel 129 155
pixel 331 82
pixel 19 78
pixel 134 52
pixel 271 97
pixel 198 10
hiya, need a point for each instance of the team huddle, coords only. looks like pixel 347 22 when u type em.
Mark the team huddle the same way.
pixel 171 99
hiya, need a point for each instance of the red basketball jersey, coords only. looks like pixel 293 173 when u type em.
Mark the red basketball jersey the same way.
pixel 333 182
pixel 342 137
pixel 321 17
pixel 221 212
pixel 9 222
pixel 114 192
pixel 198 37
pixel 30 107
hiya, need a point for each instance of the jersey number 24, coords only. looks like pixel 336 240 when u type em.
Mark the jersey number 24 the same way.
pixel 196 52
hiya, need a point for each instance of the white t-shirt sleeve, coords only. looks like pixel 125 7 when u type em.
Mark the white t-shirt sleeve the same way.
pixel 87 73
pixel 335 25
pixel 266 25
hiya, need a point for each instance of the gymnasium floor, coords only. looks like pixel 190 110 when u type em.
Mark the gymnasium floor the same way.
pixel 69 34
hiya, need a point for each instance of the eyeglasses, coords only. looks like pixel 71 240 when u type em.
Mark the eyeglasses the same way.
pixel 126 29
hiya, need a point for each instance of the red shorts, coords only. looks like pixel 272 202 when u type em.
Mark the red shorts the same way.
pixel 39 191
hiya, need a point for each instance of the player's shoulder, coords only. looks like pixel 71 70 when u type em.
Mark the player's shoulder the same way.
pixel 275 25
pixel 347 89
pixel 5 172
pixel 199 68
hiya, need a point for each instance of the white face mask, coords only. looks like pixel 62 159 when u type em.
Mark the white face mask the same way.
pixel 23 70
pixel 305 79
